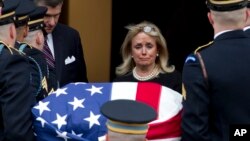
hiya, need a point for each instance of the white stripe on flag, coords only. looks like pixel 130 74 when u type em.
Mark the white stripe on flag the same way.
pixel 124 90
pixel 170 104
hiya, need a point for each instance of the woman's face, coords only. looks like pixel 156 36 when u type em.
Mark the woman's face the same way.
pixel 144 50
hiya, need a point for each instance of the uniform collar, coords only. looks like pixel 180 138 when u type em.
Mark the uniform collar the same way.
pixel 231 35
pixel 246 28
pixel 219 33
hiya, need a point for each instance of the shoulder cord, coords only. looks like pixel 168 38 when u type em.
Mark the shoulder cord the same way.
pixel 40 74
pixel 204 72
pixel 21 48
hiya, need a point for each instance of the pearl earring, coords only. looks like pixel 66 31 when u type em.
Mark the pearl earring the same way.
pixel 157 54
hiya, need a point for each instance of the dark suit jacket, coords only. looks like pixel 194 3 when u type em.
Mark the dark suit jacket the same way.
pixel 221 100
pixel 67 46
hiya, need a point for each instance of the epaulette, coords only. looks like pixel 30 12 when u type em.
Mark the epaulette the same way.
pixel 23 46
pixel 4 45
pixel 11 49
pixel 202 47
pixel 203 67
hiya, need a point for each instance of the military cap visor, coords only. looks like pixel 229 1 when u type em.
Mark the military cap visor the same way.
pixel 23 11
pixel 8 11
pixel 128 116
pixel 37 18
pixel 226 5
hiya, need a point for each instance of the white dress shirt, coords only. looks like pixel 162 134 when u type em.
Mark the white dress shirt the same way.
pixel 50 44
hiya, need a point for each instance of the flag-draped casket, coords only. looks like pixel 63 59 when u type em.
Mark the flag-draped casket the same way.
pixel 73 111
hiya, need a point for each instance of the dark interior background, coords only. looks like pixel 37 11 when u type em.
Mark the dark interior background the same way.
pixel 183 23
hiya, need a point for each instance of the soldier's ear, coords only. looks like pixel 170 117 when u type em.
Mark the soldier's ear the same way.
pixel 247 14
pixel 12 31
pixel 210 18
pixel 39 38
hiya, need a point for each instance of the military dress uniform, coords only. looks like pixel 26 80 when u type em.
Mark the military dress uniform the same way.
pixel 25 13
pixel 14 95
pixel 39 69
pixel 15 98
pixel 37 23
pixel 216 84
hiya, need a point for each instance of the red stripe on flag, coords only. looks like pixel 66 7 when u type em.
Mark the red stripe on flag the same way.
pixel 167 129
pixel 149 93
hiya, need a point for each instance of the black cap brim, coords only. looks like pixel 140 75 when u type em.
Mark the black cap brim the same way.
pixel 226 6
pixel 128 111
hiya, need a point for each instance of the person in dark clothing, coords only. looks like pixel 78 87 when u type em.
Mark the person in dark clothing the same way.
pixel 26 12
pixel 63 44
pixel 216 77
pixel 16 99
pixel 33 46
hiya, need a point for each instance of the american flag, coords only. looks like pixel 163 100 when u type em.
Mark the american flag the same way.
pixel 72 113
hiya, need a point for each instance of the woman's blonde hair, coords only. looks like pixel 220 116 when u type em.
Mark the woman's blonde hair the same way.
pixel 153 31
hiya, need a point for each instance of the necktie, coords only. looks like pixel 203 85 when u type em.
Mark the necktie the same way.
pixel 48 55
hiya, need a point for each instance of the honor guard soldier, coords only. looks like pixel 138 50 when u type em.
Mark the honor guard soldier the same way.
pixel 33 48
pixel 23 12
pixel 127 119
pixel 216 76
pixel 36 27
pixel 15 96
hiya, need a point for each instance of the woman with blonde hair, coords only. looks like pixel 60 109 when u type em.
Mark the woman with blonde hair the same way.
pixel 145 57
